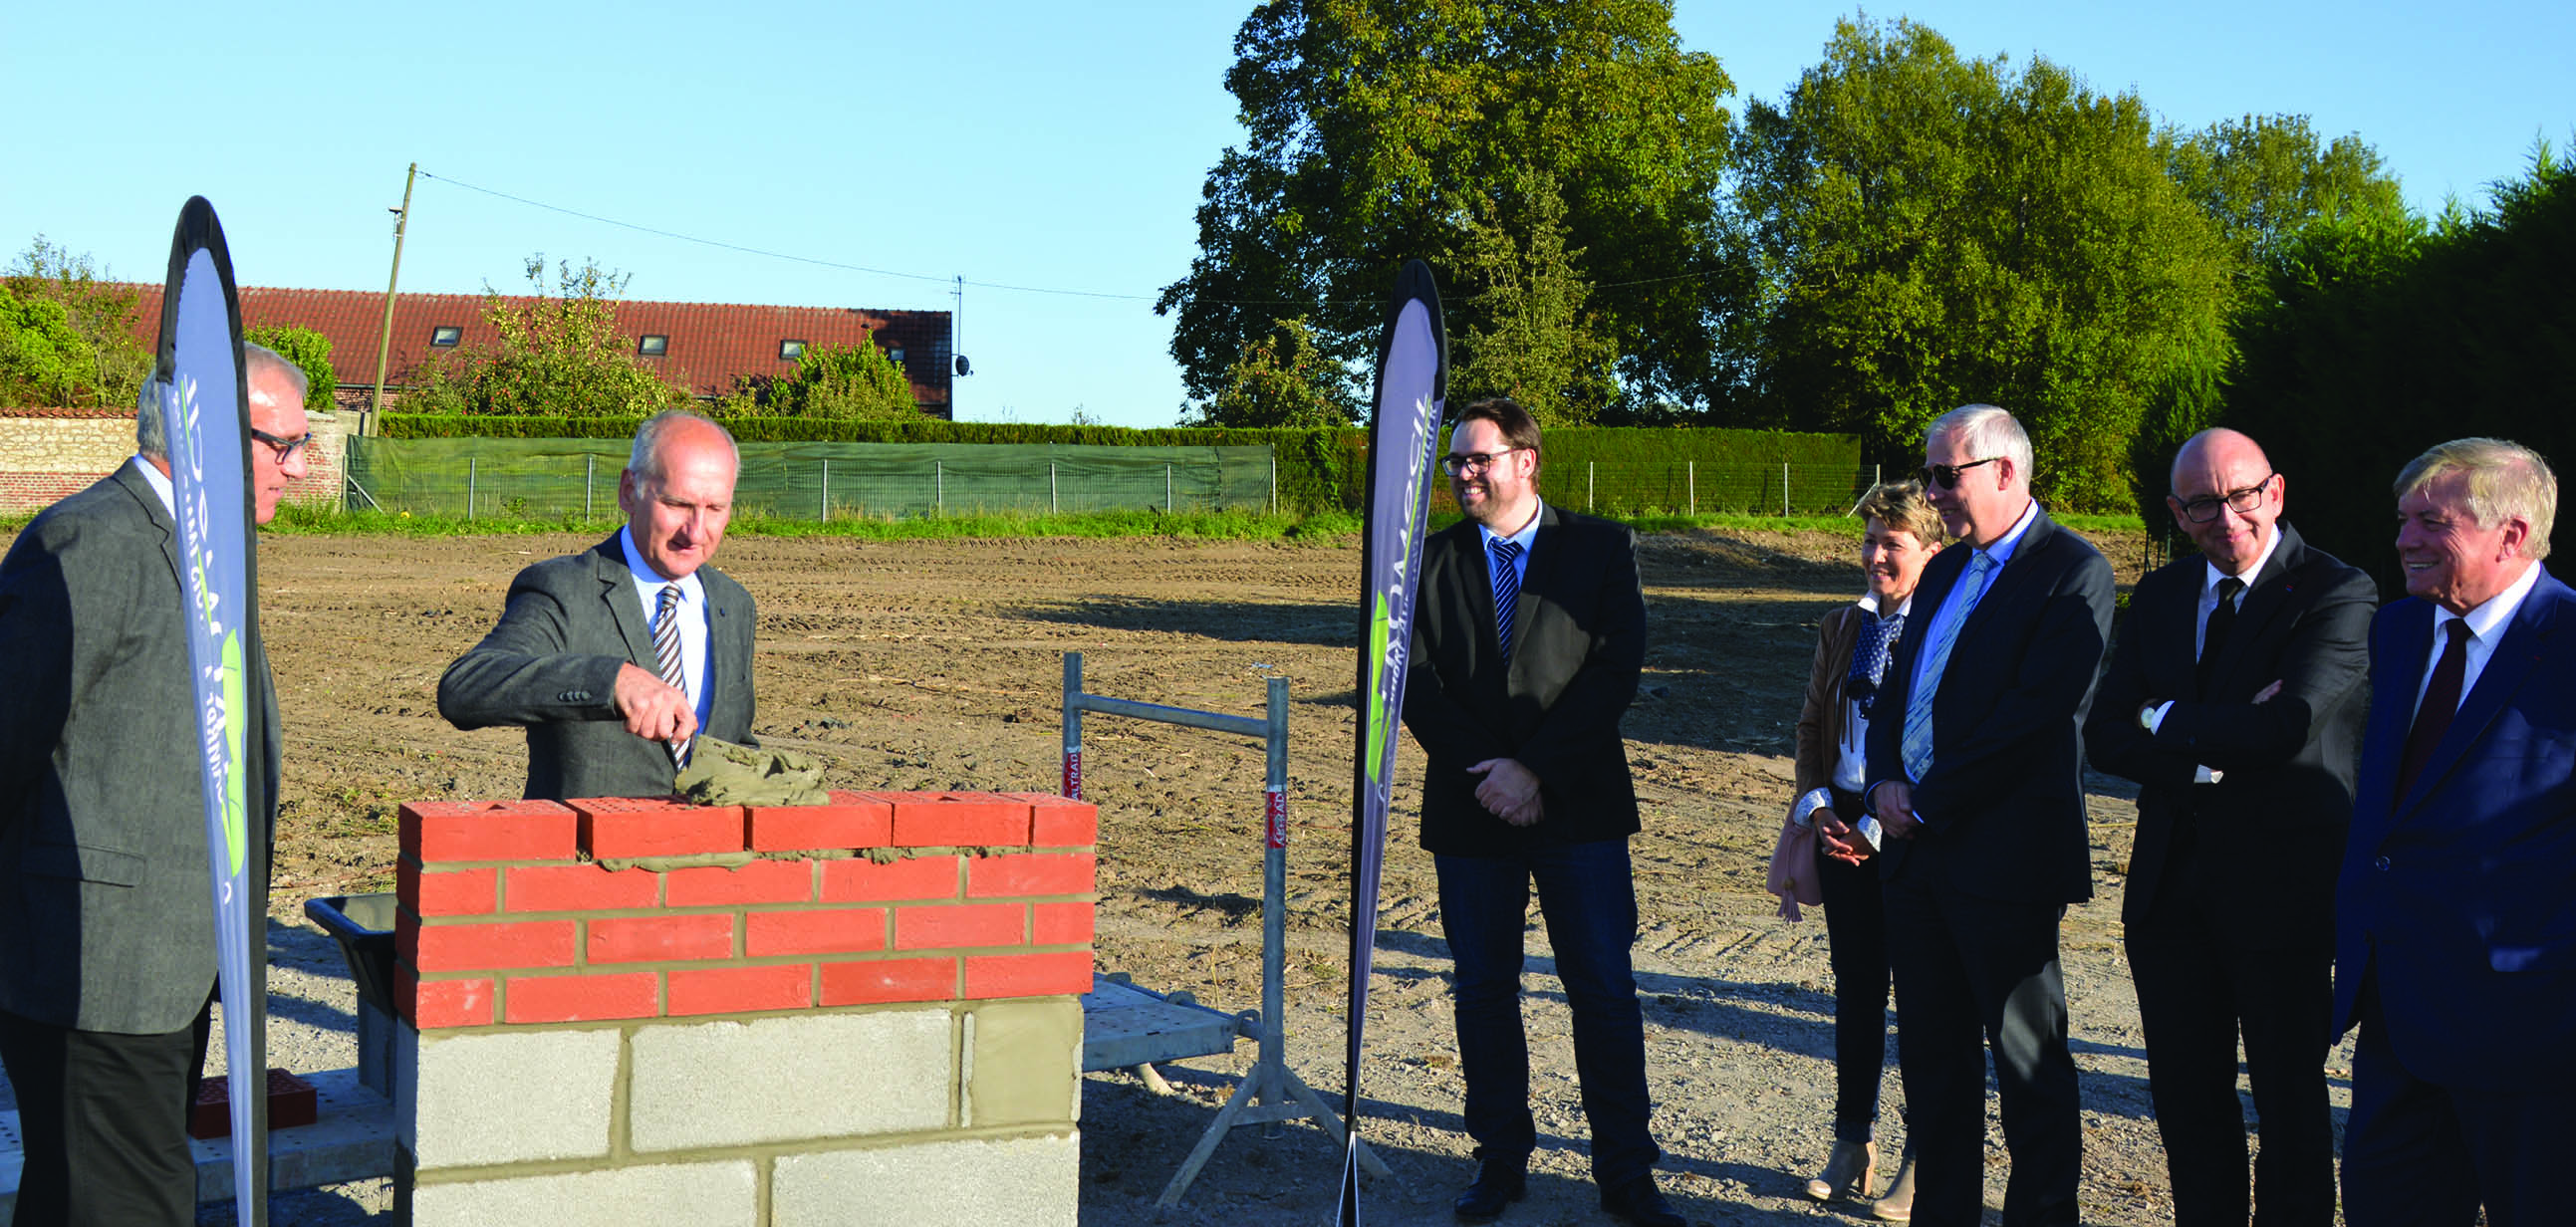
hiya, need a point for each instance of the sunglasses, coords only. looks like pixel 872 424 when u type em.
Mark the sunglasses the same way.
pixel 1946 476
pixel 1470 462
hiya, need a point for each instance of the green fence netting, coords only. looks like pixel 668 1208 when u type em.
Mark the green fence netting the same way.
pixel 558 478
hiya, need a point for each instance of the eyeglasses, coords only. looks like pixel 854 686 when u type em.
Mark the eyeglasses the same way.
pixel 285 448
pixel 2242 502
pixel 1466 462
pixel 1946 476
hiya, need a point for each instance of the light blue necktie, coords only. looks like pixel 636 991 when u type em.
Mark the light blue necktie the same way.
pixel 1507 590
pixel 1917 744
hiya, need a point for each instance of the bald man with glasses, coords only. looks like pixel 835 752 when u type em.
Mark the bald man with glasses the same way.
pixel 2235 700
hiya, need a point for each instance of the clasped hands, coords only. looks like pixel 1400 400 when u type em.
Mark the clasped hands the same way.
pixel 1509 790
pixel 654 709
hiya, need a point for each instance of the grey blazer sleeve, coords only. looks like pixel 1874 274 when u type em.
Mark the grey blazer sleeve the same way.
pixel 534 668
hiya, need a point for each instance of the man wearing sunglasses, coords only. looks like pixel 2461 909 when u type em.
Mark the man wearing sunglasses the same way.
pixel 1527 642
pixel 107 935
pixel 2235 700
pixel 1978 798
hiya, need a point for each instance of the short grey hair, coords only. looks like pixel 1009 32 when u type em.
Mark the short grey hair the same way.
pixel 153 441
pixel 2506 480
pixel 1985 430
pixel 256 356
pixel 644 459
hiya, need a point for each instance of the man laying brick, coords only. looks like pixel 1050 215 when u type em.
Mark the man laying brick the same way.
pixel 617 658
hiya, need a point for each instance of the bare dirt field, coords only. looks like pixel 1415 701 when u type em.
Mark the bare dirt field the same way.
pixel 938 665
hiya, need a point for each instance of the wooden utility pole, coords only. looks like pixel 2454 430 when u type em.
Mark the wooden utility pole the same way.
pixel 385 341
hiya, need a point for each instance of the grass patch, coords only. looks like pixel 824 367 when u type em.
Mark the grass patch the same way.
pixel 1324 527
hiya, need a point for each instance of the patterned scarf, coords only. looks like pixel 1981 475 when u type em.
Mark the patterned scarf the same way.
pixel 1878 638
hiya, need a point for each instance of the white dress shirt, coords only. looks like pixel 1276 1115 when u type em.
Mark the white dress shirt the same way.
pixel 692 615
pixel 2486 629
pixel 2211 578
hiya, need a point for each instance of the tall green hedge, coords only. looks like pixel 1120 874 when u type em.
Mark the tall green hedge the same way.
pixel 1317 468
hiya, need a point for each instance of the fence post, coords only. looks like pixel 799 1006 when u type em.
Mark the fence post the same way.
pixel 938 488
pixel 1168 508
pixel 824 500
pixel 1587 485
pixel 1274 479
pixel 469 487
pixel 1051 506
pixel 1691 482
pixel 1784 489
pixel 589 464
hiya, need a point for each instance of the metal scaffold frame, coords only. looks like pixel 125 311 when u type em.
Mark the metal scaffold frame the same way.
pixel 1271 1092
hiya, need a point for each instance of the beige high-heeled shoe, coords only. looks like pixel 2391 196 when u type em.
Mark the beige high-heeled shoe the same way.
pixel 1847 1172
pixel 1898 1205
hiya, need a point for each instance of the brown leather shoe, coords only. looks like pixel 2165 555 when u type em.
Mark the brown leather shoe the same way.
pixel 1898 1205
pixel 1848 1173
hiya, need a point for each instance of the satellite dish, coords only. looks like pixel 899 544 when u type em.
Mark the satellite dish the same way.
pixel 963 366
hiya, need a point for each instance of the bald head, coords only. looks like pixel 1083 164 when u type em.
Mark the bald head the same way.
pixel 2226 496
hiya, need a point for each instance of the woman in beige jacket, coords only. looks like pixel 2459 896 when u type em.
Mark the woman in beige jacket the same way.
pixel 1900 533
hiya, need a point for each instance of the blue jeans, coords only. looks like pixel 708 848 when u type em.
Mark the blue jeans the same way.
pixel 1590 904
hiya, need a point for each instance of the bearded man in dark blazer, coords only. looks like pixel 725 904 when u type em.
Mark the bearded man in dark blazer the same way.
pixel 1978 804
pixel 616 658
pixel 1528 637
pixel 107 924
pixel 2235 700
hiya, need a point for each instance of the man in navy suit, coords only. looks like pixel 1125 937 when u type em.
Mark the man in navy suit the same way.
pixel 2455 920
pixel 1978 796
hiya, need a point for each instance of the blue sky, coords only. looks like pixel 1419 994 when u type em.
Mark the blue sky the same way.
pixel 1044 145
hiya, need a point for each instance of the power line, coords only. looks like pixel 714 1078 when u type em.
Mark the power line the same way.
pixel 779 255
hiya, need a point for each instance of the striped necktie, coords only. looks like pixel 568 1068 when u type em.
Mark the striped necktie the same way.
pixel 1507 591
pixel 1917 744
pixel 666 647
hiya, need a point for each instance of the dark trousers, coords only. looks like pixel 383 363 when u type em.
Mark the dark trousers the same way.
pixel 1589 903
pixel 1856 935
pixel 2416 1154
pixel 105 1121
pixel 2198 987
pixel 1972 972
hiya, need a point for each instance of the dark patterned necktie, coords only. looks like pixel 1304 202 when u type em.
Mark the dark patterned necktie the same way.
pixel 1507 590
pixel 2213 637
pixel 2441 702
pixel 666 648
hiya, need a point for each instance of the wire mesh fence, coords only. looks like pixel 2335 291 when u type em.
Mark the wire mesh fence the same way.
pixel 561 478
pixel 546 479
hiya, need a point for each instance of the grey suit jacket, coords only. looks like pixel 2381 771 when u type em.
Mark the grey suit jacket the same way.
pixel 106 913
pixel 551 666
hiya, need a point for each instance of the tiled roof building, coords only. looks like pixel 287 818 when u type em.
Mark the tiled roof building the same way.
pixel 700 347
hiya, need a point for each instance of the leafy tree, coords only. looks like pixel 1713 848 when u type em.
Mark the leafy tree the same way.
pixel 2380 336
pixel 310 351
pixel 1930 231
pixel 1281 379
pixel 1532 340
pixel 2265 179
pixel 842 382
pixel 1374 129
pixel 559 355
pixel 66 333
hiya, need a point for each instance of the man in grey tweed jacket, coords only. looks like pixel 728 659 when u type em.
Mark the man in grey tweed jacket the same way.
pixel 107 931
